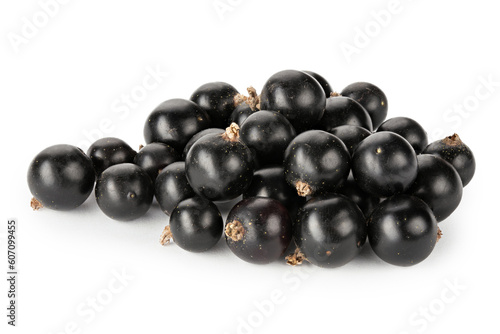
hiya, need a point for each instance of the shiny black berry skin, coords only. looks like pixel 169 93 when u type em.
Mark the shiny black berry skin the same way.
pixel 409 129
pixel 322 81
pixel 437 184
pixel 172 186
pixel 196 224
pixel 371 98
pixel 351 135
pixel 124 192
pixel 110 151
pixel 240 114
pixel 402 230
pixel 174 122
pixel 365 201
pixel 219 168
pixel 316 162
pixel 330 230
pixel 270 182
pixel 384 164
pixel 198 136
pixel 217 99
pixel 453 150
pixel 267 134
pixel 61 177
pixel 154 157
pixel 258 230
pixel 296 95
pixel 342 110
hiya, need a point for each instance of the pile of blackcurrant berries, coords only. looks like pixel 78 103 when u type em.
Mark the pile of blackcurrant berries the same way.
pixel 316 168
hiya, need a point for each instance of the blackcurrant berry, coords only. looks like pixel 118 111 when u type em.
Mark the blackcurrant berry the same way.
pixel 384 164
pixel 195 225
pixel 61 177
pixel 322 81
pixel 316 161
pixel 342 110
pixel 365 201
pixel 124 192
pixel 330 230
pixel 350 135
pixel 258 230
pixel 172 186
pixel 220 167
pixel 409 129
pixel 371 98
pixel 217 99
pixel 402 230
pixel 297 95
pixel 240 114
pixel 267 134
pixel 453 150
pixel 154 157
pixel 174 122
pixel 437 184
pixel 110 151
pixel 197 136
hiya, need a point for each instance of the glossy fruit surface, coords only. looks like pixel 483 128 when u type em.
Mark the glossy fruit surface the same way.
pixel 322 81
pixel 240 114
pixel 342 110
pixel 197 136
pixel 217 99
pixel 409 129
pixel 109 151
pixel 61 177
pixel 267 134
pixel 350 135
pixel 124 192
pixel 258 230
pixel 384 164
pixel 316 161
pixel 196 224
pixel 172 186
pixel 330 230
pixel 174 122
pixel 365 201
pixel 453 150
pixel 296 95
pixel 371 98
pixel 437 184
pixel 154 157
pixel 220 167
pixel 402 230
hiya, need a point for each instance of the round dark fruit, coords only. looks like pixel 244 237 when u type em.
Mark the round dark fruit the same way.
pixel 258 230
pixel 365 201
pixel 297 95
pixel 220 167
pixel 124 192
pixel 437 184
pixel 217 99
pixel 198 136
pixel 350 135
pixel 240 114
pixel 270 182
pixel 61 177
pixel 174 122
pixel 384 164
pixel 322 81
pixel 342 110
pixel 110 151
pixel 195 225
pixel 330 230
pixel 172 186
pixel 409 129
pixel 154 157
pixel 402 230
pixel 453 150
pixel 371 98
pixel 315 162
pixel 267 134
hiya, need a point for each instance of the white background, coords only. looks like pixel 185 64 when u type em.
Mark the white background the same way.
pixel 66 79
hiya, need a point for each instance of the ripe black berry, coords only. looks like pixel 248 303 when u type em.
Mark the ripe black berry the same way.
pixel 258 230
pixel 110 151
pixel 342 110
pixel 124 192
pixel 197 136
pixel 240 114
pixel 402 230
pixel 384 164
pixel 322 81
pixel 409 129
pixel 61 177
pixel 371 98
pixel 172 186
pixel 217 99
pixel 350 135
pixel 154 157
